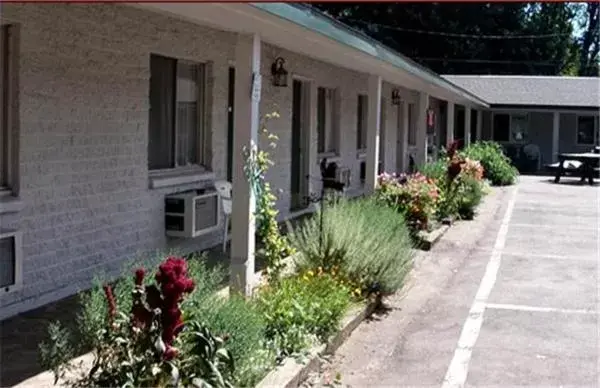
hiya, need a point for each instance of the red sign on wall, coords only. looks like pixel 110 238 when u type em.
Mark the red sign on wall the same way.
pixel 430 117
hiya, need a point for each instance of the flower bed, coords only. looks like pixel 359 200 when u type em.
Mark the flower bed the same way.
pixel 175 329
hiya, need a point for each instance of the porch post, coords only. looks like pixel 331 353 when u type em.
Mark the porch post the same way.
pixel 450 123
pixel 373 126
pixel 555 136
pixel 478 125
pixel 467 125
pixel 245 135
pixel 421 121
pixel 403 141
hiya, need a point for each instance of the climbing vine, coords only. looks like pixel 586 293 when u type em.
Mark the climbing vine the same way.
pixel 276 247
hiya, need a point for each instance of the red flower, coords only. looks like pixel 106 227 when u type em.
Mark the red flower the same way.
pixel 112 306
pixel 452 148
pixel 454 169
pixel 139 276
pixel 170 353
pixel 174 283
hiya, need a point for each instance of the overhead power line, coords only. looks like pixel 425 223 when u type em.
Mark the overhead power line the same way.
pixel 456 35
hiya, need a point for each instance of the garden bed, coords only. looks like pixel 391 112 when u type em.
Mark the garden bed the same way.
pixel 291 373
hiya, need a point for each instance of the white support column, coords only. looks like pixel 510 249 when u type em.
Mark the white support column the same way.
pixel 245 135
pixel 479 125
pixel 467 126
pixel 450 123
pixel 373 126
pixel 421 122
pixel 555 136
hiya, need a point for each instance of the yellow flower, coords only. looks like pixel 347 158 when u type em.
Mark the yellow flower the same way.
pixel 305 278
pixel 310 273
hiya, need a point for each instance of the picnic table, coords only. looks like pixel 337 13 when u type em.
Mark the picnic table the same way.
pixel 590 162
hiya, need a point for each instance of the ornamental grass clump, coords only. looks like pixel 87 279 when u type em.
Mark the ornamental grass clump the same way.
pixel 364 241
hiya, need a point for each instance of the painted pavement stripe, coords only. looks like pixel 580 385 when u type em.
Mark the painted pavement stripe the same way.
pixel 456 376
pixel 518 307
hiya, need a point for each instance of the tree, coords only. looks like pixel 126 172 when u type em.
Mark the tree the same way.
pixel 590 41
pixel 470 38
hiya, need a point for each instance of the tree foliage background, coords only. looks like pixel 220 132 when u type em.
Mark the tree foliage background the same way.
pixel 484 38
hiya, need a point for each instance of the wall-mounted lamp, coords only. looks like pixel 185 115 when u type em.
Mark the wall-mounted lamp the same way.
pixel 396 99
pixel 279 72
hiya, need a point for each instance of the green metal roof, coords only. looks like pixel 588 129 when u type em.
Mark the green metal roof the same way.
pixel 317 21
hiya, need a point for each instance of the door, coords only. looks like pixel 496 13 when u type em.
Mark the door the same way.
pixel 230 111
pixel 299 147
pixel 382 129
pixel 400 146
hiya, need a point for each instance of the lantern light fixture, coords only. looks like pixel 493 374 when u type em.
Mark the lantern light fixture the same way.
pixel 396 99
pixel 279 73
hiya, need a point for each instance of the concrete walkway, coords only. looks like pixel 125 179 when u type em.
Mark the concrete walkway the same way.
pixel 510 299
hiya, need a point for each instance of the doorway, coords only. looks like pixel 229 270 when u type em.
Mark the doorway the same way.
pixel 230 112
pixel 299 173
pixel 382 129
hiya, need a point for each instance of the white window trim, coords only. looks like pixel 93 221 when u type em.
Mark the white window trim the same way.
pixel 510 121
pixel 180 175
pixel 596 129
pixel 18 239
pixel 332 94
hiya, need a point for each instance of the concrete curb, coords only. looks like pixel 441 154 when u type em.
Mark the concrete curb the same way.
pixel 428 239
pixel 291 373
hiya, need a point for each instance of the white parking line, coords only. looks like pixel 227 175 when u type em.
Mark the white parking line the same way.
pixel 456 376
pixel 550 226
pixel 518 307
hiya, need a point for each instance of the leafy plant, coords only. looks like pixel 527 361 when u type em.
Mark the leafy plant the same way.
pixel 276 248
pixel 245 326
pixel 470 195
pixel 415 196
pixel 365 241
pixel 140 345
pixel 302 309
pixel 496 165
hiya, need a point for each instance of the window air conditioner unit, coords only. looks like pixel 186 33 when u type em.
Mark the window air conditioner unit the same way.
pixel 10 260
pixel 342 175
pixel 192 213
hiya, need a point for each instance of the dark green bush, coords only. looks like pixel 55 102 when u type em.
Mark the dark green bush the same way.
pixel 368 241
pixel 497 166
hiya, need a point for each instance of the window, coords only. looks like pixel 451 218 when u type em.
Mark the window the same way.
pixel 412 128
pixel 363 117
pixel 587 130
pixel 510 127
pixel 6 92
pixel 327 123
pixel 176 124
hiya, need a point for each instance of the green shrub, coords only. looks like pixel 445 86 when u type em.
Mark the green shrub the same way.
pixel 301 308
pixel 368 241
pixel 148 344
pixel 497 166
pixel 435 170
pixel 244 326
pixel 415 196
pixel 469 196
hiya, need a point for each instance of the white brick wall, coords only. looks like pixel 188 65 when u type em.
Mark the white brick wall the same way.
pixel 84 80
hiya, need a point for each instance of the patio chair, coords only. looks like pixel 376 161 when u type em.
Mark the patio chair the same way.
pixel 224 191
